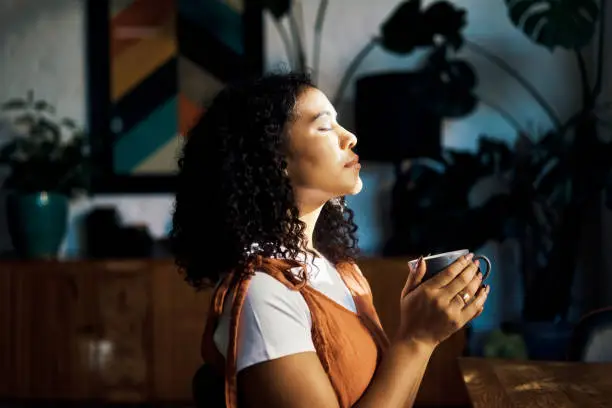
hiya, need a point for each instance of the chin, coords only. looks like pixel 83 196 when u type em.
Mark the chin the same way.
pixel 356 187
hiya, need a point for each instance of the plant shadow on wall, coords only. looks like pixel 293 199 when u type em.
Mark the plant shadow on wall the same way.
pixel 48 158
pixel 449 81
pixel 288 27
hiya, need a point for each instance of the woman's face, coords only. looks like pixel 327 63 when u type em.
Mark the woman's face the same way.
pixel 321 163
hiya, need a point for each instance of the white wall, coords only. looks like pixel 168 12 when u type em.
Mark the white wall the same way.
pixel 41 48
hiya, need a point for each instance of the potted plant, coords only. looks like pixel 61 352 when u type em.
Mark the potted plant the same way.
pixel 559 176
pixel 48 161
pixel 574 160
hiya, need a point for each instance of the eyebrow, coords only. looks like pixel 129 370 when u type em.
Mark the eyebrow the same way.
pixel 321 114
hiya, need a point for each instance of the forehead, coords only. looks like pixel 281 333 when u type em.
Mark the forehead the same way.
pixel 312 102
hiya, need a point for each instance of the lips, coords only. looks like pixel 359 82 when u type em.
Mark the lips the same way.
pixel 353 163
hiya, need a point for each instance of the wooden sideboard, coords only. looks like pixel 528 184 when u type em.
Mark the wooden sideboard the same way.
pixel 129 331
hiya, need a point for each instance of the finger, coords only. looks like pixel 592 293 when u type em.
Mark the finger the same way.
pixel 471 289
pixel 474 308
pixel 446 276
pixel 410 278
pixel 420 272
pixel 414 276
pixel 460 300
pixel 461 282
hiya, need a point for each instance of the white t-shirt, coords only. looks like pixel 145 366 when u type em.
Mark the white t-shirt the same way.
pixel 275 320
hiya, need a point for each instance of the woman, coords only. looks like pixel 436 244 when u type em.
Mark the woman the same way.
pixel 260 213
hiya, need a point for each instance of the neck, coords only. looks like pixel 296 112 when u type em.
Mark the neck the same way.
pixel 310 217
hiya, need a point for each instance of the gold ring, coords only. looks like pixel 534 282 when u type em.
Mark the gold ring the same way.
pixel 465 297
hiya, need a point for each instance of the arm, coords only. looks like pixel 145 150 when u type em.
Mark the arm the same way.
pixel 399 376
pixel 299 381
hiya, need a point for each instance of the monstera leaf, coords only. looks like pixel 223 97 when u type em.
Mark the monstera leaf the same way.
pixel 278 8
pixel 568 24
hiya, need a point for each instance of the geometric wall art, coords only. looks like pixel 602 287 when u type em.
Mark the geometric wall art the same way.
pixel 153 66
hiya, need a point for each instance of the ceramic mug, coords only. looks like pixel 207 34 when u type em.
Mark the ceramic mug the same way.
pixel 437 263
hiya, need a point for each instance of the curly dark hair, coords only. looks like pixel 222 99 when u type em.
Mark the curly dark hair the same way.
pixel 233 191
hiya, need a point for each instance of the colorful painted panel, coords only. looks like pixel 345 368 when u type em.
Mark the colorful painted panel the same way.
pixel 167 59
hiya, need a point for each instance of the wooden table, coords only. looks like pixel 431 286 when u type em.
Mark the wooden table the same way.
pixel 533 384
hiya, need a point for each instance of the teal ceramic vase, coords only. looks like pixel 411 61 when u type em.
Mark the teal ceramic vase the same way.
pixel 37 223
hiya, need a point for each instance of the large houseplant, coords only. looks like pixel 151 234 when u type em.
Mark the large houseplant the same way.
pixel 48 161
pixel 552 180
pixel 570 167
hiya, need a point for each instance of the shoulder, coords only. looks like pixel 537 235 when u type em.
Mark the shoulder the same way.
pixel 275 321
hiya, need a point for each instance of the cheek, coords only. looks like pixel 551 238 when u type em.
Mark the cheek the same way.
pixel 313 163
pixel 324 158
pixel 318 151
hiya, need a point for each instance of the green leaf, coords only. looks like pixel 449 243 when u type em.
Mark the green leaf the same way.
pixel 569 24
pixel 278 8
pixel 43 106
pixel 14 104
pixel 38 160
pixel 69 123
pixel 25 120
pixel 46 127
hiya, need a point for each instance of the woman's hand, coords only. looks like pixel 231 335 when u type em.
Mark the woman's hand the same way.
pixel 433 310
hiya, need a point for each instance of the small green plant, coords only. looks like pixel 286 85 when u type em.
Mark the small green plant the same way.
pixel 43 152
pixel 499 344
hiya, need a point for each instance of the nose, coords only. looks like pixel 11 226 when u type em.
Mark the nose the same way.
pixel 349 140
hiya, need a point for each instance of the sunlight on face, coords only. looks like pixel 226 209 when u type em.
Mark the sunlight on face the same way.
pixel 321 161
